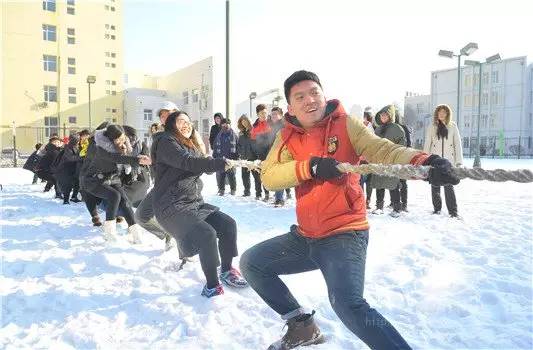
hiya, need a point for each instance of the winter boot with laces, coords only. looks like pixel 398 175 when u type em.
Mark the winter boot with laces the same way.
pixel 302 331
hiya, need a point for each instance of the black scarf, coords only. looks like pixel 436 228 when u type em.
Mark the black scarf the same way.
pixel 442 130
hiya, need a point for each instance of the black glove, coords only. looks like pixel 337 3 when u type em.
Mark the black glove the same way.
pixel 441 171
pixel 324 168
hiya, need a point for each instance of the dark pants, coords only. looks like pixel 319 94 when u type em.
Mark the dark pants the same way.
pixel 258 186
pixel 35 178
pixel 50 181
pixel 245 175
pixel 292 253
pixel 221 180
pixel 115 198
pixel 394 197
pixel 449 197
pixel 144 216
pixel 203 234
pixel 91 202
pixel 403 193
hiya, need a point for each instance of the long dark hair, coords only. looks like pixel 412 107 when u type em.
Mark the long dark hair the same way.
pixel 170 126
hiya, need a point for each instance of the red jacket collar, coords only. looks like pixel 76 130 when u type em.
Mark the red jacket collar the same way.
pixel 334 109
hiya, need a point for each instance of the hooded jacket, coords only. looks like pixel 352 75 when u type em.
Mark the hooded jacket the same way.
pixel 50 154
pixel 394 133
pixel 66 170
pixel 107 162
pixel 328 207
pixel 261 139
pixel 448 147
pixel 226 145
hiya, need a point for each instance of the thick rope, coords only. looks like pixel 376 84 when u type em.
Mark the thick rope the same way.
pixel 409 172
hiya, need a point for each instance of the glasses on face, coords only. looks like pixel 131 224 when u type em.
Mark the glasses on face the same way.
pixel 182 122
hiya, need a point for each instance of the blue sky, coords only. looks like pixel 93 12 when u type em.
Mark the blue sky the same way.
pixel 365 52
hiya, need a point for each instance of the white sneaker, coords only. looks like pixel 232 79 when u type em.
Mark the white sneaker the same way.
pixel 110 230
pixel 134 231
pixel 395 214
pixel 377 211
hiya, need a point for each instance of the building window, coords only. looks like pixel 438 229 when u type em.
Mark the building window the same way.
pixel 50 63
pixel 71 32
pixel 114 93
pixel 495 77
pixel 107 7
pixel 49 5
pixel 475 82
pixel 49 32
pixel 108 92
pixel 485 78
pixel 113 54
pixel 113 27
pixel 71 95
pixel 50 93
pixel 494 98
pixel 113 37
pixel 195 124
pixel 465 142
pixel 475 100
pixel 195 95
pixel 71 65
pixel 485 99
pixel 205 126
pixel 113 82
pixel 71 2
pixel 492 120
pixel 107 36
pixel 72 119
pixel 468 100
pixel 185 95
pixel 51 126
pixel 468 80
pixel 113 8
pixel 71 11
pixel 148 115
pixel 467 121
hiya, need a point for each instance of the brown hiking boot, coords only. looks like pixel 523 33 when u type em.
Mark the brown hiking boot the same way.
pixel 302 331
pixel 96 221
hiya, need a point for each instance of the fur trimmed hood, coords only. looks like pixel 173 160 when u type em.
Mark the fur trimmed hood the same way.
pixel 104 142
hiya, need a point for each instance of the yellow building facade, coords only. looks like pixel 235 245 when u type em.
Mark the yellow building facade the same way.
pixel 49 49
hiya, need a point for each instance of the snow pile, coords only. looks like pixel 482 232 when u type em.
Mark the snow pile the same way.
pixel 443 283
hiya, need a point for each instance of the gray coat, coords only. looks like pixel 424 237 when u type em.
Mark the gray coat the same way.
pixel 394 133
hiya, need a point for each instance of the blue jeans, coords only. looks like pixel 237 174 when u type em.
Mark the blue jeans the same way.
pixel 341 259
pixel 278 195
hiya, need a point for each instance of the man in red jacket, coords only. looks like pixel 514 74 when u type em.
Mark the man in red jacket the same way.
pixel 332 230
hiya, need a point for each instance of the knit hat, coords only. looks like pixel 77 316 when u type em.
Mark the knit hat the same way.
pixel 369 111
pixel 297 77
pixel 167 106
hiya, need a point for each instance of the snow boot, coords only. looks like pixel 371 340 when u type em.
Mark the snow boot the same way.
pixel 279 203
pixel 212 292
pixel 233 278
pixel 110 230
pixel 302 331
pixel 397 207
pixel 436 212
pixel 135 232
pixel 404 207
pixel 96 221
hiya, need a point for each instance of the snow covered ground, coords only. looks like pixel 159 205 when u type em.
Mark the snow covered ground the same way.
pixel 444 283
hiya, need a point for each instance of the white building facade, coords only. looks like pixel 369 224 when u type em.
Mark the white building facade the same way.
pixel 418 113
pixel 190 88
pixel 505 116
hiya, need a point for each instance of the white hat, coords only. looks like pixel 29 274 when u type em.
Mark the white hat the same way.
pixel 369 110
pixel 169 106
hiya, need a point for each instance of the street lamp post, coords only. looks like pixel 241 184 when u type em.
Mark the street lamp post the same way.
pixel 91 79
pixel 252 96
pixel 465 51
pixel 493 58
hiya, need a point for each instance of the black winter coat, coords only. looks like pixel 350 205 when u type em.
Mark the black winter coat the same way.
pixel 262 143
pixel 215 129
pixel 137 183
pixel 32 162
pixel 106 165
pixel 244 146
pixel 50 155
pixel 66 170
pixel 178 187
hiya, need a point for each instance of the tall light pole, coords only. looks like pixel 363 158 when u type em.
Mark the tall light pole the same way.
pixel 252 96
pixel 465 51
pixel 227 59
pixel 91 79
pixel 493 58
